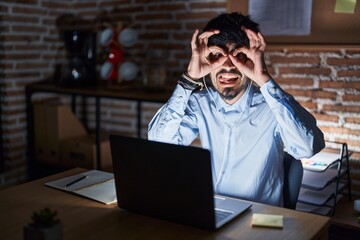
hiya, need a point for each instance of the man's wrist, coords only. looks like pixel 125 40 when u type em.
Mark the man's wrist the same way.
pixel 189 83
pixel 263 79
pixel 190 76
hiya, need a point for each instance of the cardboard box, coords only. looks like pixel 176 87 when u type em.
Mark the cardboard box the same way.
pixel 81 152
pixel 53 122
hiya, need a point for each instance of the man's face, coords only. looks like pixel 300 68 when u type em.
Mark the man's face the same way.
pixel 229 81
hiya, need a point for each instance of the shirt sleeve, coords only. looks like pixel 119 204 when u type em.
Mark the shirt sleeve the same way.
pixel 296 126
pixel 174 122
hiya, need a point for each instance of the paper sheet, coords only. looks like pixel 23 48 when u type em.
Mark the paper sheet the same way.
pixel 278 17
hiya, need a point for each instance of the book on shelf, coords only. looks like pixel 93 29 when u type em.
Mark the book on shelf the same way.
pixel 94 184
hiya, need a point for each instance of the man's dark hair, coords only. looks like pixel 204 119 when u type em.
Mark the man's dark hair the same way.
pixel 230 29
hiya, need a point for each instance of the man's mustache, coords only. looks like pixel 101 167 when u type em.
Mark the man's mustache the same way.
pixel 233 71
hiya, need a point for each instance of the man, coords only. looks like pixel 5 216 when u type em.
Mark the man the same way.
pixel 243 116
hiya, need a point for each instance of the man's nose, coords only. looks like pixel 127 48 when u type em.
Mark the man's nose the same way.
pixel 228 63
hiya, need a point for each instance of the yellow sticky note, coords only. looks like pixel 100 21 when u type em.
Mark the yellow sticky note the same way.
pixel 267 220
pixel 345 6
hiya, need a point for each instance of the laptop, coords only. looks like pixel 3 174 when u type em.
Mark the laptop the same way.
pixel 169 182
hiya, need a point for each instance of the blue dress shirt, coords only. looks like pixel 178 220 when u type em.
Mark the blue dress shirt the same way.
pixel 247 139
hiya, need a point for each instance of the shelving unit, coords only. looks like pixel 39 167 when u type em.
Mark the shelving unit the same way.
pixel 326 178
pixel 130 93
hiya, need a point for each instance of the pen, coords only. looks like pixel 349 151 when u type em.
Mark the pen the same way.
pixel 75 181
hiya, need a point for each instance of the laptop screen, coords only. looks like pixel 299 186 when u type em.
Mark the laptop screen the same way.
pixel 163 180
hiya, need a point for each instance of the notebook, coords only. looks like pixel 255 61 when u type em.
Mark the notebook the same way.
pixel 170 182
pixel 94 184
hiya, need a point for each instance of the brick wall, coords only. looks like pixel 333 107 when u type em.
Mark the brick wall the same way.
pixel 324 79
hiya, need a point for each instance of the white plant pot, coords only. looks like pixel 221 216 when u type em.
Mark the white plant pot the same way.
pixel 52 233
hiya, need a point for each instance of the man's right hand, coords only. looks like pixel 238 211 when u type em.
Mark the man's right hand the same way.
pixel 200 63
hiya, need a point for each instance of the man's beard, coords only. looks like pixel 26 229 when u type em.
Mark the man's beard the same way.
pixel 230 93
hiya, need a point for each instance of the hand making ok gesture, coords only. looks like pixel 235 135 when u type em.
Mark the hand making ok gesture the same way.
pixel 256 69
pixel 200 65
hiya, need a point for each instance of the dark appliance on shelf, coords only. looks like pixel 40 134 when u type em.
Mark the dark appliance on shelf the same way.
pixel 80 69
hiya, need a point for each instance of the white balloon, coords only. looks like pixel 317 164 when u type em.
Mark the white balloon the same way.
pixel 128 37
pixel 106 70
pixel 128 71
pixel 106 36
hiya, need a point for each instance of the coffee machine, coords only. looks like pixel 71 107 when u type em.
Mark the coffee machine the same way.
pixel 80 68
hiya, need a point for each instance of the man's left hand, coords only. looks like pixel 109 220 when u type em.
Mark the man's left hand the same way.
pixel 255 67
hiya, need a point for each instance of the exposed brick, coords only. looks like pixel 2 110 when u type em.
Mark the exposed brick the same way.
pixel 113 3
pixel 29 47
pixel 22 1
pixel 166 45
pixel 308 105
pixel 121 121
pixel 295 81
pixel 167 7
pixel 339 84
pixel 304 70
pixel 352 120
pixel 343 61
pixel 156 17
pixel 21 38
pixel 15 140
pixel 163 26
pixel 326 117
pixel 154 36
pixel 186 36
pixel 32 29
pixel 297 59
pixel 149 1
pixel 348 73
pixel 81 5
pixel 356 155
pixel 341 108
pixel 313 93
pixel 340 130
pixel 23 75
pixel 355 51
pixel 56 5
pixel 351 143
pixel 196 15
pixel 21 56
pixel 196 25
pixel 4 9
pixel 352 97
pixel 208 5
pixel 31 65
pixel 271 70
pixel 21 19
pixel 29 10
pixel 312 49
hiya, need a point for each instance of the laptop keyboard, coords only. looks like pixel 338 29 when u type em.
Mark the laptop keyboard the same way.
pixel 220 215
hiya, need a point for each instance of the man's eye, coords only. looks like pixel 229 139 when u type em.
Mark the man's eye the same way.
pixel 241 57
pixel 215 56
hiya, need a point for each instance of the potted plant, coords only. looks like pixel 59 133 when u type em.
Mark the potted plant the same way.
pixel 45 226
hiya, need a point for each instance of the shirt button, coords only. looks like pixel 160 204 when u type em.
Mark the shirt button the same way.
pixel 178 100
pixel 273 90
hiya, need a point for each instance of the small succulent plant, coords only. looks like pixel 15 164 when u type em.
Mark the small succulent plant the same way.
pixel 44 218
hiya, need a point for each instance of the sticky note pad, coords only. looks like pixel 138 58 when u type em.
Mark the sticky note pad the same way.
pixel 267 220
pixel 345 6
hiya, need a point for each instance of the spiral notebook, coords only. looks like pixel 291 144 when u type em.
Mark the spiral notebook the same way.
pixel 94 184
